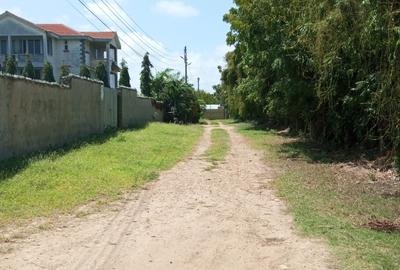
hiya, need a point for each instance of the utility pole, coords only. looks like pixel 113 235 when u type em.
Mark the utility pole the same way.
pixel 198 84
pixel 185 59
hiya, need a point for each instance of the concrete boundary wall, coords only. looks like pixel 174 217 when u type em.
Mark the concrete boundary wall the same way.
pixel 136 111
pixel 36 116
pixel 218 114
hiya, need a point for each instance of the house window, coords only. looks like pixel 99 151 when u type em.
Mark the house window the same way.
pixel 3 47
pixel 38 47
pixel 66 46
pixel 33 47
pixel 19 46
pixel 49 46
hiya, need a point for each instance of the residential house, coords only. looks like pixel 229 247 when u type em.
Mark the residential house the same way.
pixel 57 44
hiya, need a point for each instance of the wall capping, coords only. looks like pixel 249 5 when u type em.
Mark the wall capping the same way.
pixel 40 82
pixel 127 88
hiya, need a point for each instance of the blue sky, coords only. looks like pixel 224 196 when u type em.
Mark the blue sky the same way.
pixel 169 26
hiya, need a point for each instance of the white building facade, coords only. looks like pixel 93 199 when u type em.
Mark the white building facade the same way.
pixel 59 45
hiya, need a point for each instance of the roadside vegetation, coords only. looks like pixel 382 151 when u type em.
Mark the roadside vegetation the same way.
pixel 333 197
pixel 100 169
pixel 329 69
pixel 220 144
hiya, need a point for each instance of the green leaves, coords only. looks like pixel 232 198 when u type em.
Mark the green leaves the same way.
pixel 330 67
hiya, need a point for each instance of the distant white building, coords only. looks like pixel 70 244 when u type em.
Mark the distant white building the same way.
pixel 57 44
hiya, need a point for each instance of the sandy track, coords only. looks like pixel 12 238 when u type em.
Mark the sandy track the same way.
pixel 191 218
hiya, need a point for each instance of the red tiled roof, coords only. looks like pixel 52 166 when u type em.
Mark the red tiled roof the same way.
pixel 63 30
pixel 100 35
pixel 60 29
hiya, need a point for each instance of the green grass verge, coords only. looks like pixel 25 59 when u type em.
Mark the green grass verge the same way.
pixel 219 146
pixel 330 202
pixel 100 169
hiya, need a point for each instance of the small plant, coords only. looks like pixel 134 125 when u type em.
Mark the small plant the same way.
pixel 65 71
pixel 101 73
pixel 84 72
pixel 29 70
pixel 125 79
pixel 11 65
pixel 48 74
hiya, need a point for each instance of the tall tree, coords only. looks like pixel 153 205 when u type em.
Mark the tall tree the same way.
pixel 146 77
pixel 11 65
pixel 124 79
pixel 48 74
pixel 101 73
pixel 29 70
pixel 327 68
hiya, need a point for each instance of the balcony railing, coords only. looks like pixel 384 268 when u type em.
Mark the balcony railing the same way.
pixel 35 58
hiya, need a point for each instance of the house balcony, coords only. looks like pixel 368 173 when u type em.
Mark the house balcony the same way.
pixel 95 62
pixel 37 59
pixel 108 63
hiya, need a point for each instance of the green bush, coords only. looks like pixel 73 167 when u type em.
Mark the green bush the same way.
pixel 101 73
pixel 48 74
pixel 180 100
pixel 84 72
pixel 124 79
pixel 65 71
pixel 29 70
pixel 11 65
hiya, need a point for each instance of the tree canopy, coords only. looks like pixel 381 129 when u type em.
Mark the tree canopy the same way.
pixel 180 100
pixel 328 68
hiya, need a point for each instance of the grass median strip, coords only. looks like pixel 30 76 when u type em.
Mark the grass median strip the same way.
pixel 101 169
pixel 332 201
pixel 219 146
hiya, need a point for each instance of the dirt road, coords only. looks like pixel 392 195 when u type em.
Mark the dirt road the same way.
pixel 191 218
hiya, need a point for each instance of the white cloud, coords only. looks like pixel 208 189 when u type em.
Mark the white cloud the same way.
pixel 176 8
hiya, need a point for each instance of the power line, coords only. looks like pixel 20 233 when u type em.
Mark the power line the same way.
pixel 90 21
pixel 80 12
pixel 118 26
pixel 136 33
pixel 134 22
pixel 94 14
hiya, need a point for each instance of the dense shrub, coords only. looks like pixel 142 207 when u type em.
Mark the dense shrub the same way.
pixel 180 101
pixel 48 74
pixel 65 71
pixel 84 72
pixel 124 79
pixel 329 68
pixel 101 73
pixel 29 70
pixel 11 65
